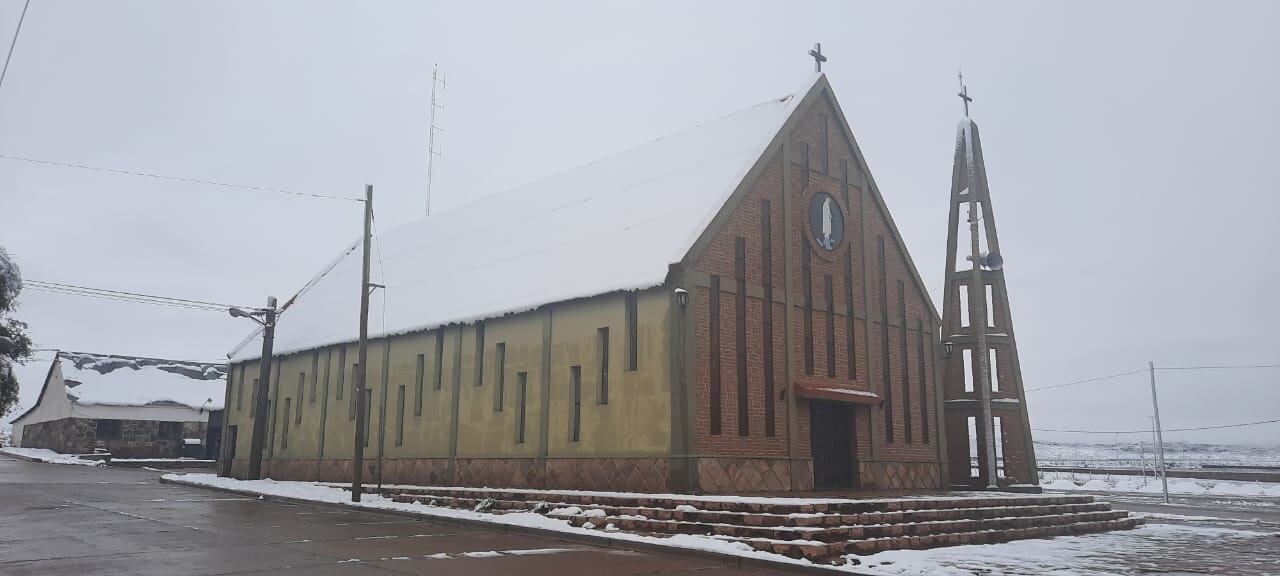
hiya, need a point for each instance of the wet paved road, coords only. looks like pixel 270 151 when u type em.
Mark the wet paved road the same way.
pixel 78 520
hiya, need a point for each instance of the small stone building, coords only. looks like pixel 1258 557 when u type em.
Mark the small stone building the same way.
pixel 131 407
pixel 729 308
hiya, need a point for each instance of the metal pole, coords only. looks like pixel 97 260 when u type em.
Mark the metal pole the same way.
pixel 1155 406
pixel 363 358
pixel 978 321
pixel 264 384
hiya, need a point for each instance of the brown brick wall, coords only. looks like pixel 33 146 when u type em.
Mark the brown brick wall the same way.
pixel 719 259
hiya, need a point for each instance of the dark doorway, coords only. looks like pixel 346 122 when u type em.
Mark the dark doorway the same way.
pixel 229 457
pixel 830 434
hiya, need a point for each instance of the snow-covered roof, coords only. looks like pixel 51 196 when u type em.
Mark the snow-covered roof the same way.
pixel 615 224
pixel 107 380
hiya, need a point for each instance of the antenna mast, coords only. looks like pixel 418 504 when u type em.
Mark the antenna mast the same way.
pixel 437 103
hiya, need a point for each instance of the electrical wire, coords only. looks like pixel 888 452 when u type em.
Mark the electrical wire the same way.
pixel 136 297
pixel 180 179
pixel 1064 385
pixel 1227 367
pixel 1241 425
pixel 14 43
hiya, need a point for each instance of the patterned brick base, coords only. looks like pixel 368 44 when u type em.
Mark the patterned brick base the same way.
pixel 901 475
pixel 730 475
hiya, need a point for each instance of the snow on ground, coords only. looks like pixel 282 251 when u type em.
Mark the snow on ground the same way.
pixel 50 456
pixel 1159 548
pixel 334 495
pixel 1068 481
pixel 1138 454
pixel 1123 552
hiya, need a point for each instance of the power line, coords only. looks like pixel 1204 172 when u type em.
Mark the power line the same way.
pixel 76 290
pixel 1086 381
pixel 14 42
pixel 1227 367
pixel 179 179
pixel 1241 425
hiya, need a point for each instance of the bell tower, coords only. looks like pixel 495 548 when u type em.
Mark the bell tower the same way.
pixel 988 433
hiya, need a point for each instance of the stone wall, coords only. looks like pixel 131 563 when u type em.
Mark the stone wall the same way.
pixel 136 438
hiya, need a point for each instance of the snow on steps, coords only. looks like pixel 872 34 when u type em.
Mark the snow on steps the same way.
pixel 817 530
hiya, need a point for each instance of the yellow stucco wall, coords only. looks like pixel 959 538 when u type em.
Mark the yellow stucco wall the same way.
pixel 635 422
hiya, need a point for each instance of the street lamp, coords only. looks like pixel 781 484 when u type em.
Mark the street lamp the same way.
pixel 265 317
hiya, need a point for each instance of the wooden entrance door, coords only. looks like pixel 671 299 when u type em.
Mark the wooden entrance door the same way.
pixel 830 434
pixel 229 456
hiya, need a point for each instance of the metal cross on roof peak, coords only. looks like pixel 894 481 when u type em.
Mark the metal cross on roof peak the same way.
pixel 964 94
pixel 818 58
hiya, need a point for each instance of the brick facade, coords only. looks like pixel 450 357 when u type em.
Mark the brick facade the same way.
pixel 135 439
pixel 818 159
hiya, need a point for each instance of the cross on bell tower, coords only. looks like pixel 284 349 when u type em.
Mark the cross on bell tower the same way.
pixel 818 58
pixel 964 94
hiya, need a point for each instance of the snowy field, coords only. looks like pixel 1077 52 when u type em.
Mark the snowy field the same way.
pixel 1136 454
pixel 50 456
pixel 1068 481
pixel 1150 548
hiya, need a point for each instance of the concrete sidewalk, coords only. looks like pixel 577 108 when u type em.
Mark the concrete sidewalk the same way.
pixel 73 520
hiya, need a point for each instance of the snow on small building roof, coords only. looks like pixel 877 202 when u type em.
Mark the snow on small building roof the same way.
pixel 109 380
pixel 615 224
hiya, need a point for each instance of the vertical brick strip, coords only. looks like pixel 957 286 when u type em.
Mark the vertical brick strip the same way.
pixel 766 257
pixel 740 328
pixel 905 375
pixel 806 274
pixel 924 385
pixel 887 405
pixel 715 355
pixel 829 294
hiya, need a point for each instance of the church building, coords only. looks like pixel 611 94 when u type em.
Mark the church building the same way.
pixel 729 308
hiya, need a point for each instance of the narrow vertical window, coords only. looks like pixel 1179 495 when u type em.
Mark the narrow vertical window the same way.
pixel 888 405
pixel 998 424
pixel 355 390
pixel 993 370
pixel 633 332
pixel 400 415
pixel 522 381
pixel 967 356
pixel 740 333
pixel 991 306
pixel 499 375
pixel 825 151
pixel 297 418
pixel 240 391
pixel 964 305
pixel 315 373
pixel 342 371
pixel 284 437
pixel 766 257
pixel 830 294
pixel 438 365
pixel 715 354
pixel 904 375
pixel 602 337
pixel 418 370
pixel 806 275
pixel 973 446
pixel 575 383
pixel 368 414
pixel 805 163
pixel 844 181
pixel 924 385
pixel 480 353
pixel 253 400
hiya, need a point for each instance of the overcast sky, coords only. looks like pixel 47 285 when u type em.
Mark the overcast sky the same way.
pixel 1127 145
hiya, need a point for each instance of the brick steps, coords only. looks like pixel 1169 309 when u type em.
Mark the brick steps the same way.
pixel 845 533
pixel 820 551
pixel 817 530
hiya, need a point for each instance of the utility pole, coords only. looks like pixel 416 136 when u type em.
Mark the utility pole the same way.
pixel 264 384
pixel 363 357
pixel 1155 407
